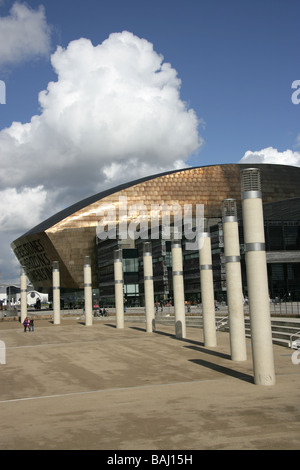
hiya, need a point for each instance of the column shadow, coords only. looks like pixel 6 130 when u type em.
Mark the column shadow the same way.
pixel 209 351
pixel 223 370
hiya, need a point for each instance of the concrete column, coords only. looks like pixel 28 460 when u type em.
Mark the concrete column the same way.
pixel 23 282
pixel 207 290
pixel 234 281
pixel 88 300
pixel 178 290
pixel 257 278
pixel 119 296
pixel 3 352
pixel 148 287
pixel 56 292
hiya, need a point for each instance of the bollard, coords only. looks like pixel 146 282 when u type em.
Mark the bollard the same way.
pixel 257 278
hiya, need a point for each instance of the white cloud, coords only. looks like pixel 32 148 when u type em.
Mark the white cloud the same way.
pixel 114 106
pixel 25 34
pixel 271 155
pixel 21 210
pixel 114 114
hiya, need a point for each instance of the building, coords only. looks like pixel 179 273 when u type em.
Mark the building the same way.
pixel 10 296
pixel 70 235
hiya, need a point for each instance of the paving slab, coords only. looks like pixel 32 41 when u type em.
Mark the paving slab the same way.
pixel 75 387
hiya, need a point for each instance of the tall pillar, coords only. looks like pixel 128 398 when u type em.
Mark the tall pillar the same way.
pixel 234 281
pixel 207 290
pixel 119 296
pixel 23 286
pixel 178 290
pixel 88 300
pixel 3 352
pixel 56 292
pixel 148 287
pixel 257 278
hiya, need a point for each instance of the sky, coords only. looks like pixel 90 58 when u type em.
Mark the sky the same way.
pixel 95 93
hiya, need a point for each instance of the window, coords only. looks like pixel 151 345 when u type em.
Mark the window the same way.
pixel 292 237
pixel 131 289
pixel 130 265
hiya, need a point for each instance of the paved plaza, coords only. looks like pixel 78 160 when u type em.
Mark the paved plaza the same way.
pixel 70 386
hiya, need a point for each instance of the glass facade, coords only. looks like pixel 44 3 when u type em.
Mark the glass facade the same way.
pixel 282 236
pixel 282 240
pixel 284 277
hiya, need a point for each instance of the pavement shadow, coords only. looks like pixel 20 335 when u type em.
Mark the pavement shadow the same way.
pixel 209 351
pixel 223 370
pixel 165 333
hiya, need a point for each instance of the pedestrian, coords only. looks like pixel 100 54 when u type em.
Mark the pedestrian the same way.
pixel 26 324
pixel 31 325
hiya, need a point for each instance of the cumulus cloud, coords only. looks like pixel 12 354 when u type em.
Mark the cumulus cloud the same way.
pixel 272 155
pixel 25 34
pixel 21 209
pixel 114 114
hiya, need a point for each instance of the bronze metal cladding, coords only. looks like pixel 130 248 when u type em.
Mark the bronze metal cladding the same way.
pixel 70 235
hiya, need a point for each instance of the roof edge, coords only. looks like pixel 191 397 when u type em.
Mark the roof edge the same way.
pixel 59 216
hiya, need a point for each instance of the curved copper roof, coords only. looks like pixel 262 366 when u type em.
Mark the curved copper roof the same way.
pixel 199 185
pixel 70 234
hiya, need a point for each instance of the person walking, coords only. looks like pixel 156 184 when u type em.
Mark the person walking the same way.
pixel 31 325
pixel 26 324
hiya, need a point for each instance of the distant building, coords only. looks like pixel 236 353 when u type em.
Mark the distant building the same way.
pixel 11 296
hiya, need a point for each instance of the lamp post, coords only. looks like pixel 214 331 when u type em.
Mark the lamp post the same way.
pixel 23 282
pixel 56 292
pixel 88 307
pixel 178 290
pixel 234 280
pixel 257 277
pixel 119 296
pixel 207 290
pixel 148 287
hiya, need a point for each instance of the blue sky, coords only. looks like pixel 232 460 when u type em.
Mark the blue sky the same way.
pixel 236 61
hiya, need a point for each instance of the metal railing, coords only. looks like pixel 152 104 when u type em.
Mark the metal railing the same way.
pixel 285 308
pixel 222 322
